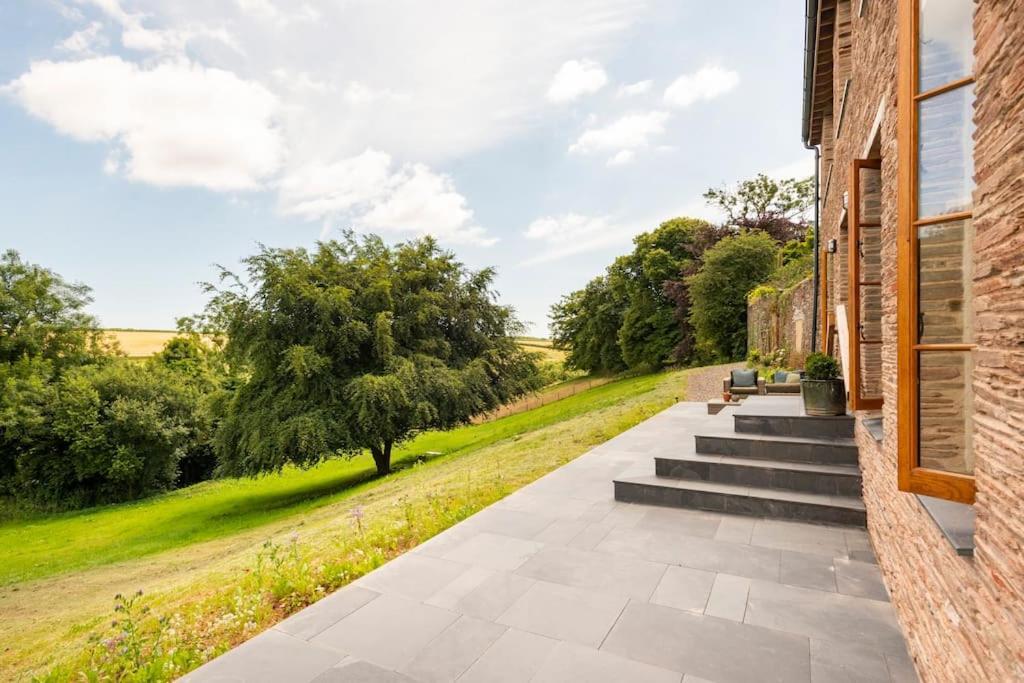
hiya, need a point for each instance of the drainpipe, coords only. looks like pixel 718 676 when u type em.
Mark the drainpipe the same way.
pixel 814 297
pixel 810 37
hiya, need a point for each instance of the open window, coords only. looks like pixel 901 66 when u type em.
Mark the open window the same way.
pixel 864 307
pixel 935 335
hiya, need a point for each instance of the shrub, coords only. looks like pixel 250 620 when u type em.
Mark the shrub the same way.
pixel 106 433
pixel 822 366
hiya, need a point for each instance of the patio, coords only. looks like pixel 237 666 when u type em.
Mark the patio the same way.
pixel 560 582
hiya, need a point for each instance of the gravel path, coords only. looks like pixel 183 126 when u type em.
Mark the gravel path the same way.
pixel 704 384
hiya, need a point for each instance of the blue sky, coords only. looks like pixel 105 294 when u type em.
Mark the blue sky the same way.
pixel 145 140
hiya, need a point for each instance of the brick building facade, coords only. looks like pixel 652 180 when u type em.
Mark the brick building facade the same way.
pixel 929 96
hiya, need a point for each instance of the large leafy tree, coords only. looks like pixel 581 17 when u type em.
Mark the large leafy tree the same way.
pixel 718 291
pixel 586 324
pixel 359 345
pixel 778 207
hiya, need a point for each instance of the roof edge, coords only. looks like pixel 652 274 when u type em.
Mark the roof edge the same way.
pixel 810 50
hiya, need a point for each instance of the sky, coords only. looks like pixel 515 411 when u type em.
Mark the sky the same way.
pixel 142 142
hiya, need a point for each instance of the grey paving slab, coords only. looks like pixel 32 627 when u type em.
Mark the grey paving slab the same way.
pixel 352 670
pixel 803 538
pixel 686 522
pixel 464 584
pixel 494 551
pixel 493 596
pixel 808 570
pixel 735 529
pixel 413 576
pixel 612 574
pixel 728 599
pixel 561 582
pixel 833 662
pixel 450 654
pixel 327 612
pixel 569 662
pixel 564 613
pixel 516 656
pixel 684 588
pixel 824 616
pixel 271 656
pixel 696 553
pixel 862 579
pixel 388 631
pixel 717 649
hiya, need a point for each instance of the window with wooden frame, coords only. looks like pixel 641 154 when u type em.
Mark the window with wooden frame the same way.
pixel 823 298
pixel 864 273
pixel 935 336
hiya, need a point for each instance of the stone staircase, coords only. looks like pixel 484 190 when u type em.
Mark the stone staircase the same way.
pixel 763 458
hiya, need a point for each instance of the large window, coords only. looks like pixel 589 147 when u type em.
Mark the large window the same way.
pixel 865 284
pixel 935 236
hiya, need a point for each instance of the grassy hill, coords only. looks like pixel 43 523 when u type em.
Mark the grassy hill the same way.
pixel 198 551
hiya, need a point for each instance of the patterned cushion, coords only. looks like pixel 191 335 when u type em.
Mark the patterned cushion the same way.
pixel 744 378
pixel 780 376
pixel 793 377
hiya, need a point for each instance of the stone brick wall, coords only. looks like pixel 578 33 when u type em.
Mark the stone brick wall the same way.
pixel 963 617
pixel 783 323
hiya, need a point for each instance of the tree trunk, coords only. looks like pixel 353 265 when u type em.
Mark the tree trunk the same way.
pixel 382 458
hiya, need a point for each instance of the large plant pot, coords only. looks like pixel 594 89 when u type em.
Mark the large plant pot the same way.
pixel 823 397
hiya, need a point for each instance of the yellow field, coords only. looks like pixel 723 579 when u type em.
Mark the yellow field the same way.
pixel 145 343
pixel 140 343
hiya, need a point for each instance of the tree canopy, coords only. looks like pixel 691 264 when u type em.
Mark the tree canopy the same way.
pixel 779 207
pixel 359 345
pixel 731 269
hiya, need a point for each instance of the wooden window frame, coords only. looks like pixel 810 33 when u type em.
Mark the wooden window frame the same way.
pixel 823 297
pixel 853 311
pixel 911 476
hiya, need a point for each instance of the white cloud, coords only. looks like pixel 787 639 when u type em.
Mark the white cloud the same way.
pixel 424 202
pixel 623 156
pixel 799 169
pixel 634 89
pixel 576 78
pixel 572 233
pixel 85 41
pixel 706 83
pixel 627 134
pixel 175 124
pixel 166 41
pixel 366 192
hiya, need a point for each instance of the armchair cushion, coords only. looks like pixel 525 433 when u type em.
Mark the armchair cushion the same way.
pixel 780 376
pixel 744 378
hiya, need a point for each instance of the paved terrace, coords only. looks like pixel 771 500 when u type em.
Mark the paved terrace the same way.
pixel 558 582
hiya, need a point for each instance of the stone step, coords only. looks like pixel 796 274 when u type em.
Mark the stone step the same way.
pixel 799 425
pixel 843 480
pixel 821 450
pixel 742 500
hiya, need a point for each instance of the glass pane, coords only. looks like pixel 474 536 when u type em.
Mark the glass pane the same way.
pixel 870 371
pixel 870 313
pixel 870 195
pixel 944 409
pixel 946 50
pixel 944 257
pixel 945 162
pixel 870 254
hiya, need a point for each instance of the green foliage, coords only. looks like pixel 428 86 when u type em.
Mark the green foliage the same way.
pixel 822 366
pixel 731 270
pixel 586 325
pixel 778 207
pixel 797 249
pixel 634 316
pixel 104 433
pixel 42 316
pixel 358 345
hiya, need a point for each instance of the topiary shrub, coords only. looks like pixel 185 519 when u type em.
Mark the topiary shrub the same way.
pixel 821 366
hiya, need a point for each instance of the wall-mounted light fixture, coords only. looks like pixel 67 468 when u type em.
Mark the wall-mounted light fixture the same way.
pixel 831 248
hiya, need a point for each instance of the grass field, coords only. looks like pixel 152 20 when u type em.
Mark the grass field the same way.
pixel 58 573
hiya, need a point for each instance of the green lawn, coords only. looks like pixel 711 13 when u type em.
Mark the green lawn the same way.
pixel 41 546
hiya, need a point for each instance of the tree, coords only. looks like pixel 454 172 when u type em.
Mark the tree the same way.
pixel 42 316
pixel 731 270
pixel 779 207
pixel 357 345
pixel 586 323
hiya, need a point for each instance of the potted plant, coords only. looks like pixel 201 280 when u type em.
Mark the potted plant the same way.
pixel 822 388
